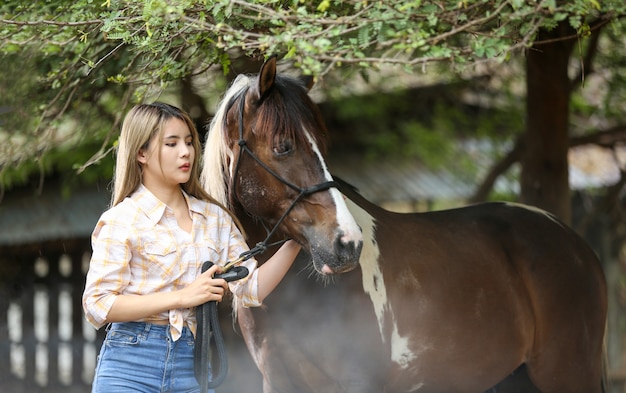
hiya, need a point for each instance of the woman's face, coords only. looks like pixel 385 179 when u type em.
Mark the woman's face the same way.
pixel 168 161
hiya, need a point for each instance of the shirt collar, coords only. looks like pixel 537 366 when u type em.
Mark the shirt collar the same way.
pixel 149 204
pixel 154 208
pixel 195 205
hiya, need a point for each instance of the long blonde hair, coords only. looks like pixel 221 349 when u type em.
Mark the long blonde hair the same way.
pixel 217 155
pixel 142 123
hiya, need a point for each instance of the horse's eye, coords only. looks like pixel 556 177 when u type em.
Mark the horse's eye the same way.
pixel 282 148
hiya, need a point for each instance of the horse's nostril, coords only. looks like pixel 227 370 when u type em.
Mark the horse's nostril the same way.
pixel 348 251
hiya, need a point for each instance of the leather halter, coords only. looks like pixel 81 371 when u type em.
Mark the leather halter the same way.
pixel 302 192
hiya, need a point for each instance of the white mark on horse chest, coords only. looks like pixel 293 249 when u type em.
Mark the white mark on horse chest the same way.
pixel 374 286
pixel 400 351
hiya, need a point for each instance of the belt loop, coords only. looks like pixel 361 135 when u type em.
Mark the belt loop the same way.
pixel 146 329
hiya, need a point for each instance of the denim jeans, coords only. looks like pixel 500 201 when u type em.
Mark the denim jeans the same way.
pixel 142 357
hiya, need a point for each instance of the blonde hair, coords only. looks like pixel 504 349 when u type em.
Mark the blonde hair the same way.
pixel 143 123
pixel 215 174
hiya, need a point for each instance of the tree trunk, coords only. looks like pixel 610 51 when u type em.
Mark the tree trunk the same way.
pixel 544 176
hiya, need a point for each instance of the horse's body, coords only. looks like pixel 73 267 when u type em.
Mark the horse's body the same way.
pixel 449 301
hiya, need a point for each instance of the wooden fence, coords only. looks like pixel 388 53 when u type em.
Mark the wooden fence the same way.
pixel 45 343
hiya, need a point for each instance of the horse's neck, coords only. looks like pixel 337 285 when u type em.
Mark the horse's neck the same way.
pixel 255 232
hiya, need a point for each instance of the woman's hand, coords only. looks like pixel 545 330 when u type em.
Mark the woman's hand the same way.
pixel 205 288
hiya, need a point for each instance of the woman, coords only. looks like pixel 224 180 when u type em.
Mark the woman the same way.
pixel 144 276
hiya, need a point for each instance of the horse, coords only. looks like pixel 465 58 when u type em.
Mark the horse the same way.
pixel 488 297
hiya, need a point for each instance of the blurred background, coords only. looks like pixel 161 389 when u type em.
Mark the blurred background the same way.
pixel 429 105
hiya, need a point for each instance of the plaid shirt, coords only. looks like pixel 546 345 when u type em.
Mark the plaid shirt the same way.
pixel 138 249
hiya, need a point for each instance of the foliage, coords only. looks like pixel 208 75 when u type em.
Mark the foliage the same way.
pixel 315 35
pixel 89 60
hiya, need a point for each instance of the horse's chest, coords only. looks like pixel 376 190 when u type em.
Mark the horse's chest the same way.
pixel 389 313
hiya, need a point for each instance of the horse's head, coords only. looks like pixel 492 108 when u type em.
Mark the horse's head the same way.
pixel 264 155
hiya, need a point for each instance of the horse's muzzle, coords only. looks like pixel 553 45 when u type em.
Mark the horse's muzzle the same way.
pixel 341 258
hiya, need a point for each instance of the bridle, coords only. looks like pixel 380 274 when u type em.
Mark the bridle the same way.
pixel 302 192
pixel 208 328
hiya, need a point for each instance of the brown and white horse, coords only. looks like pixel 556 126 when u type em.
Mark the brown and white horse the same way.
pixel 496 296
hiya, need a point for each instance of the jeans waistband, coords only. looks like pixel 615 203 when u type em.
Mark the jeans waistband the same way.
pixel 146 329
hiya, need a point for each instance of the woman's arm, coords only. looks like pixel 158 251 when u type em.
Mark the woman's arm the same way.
pixel 134 307
pixel 274 269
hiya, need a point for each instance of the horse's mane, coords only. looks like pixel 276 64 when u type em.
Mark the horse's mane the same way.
pixel 283 110
pixel 344 185
pixel 214 175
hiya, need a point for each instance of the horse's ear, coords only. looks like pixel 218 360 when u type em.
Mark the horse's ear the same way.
pixel 267 75
pixel 308 81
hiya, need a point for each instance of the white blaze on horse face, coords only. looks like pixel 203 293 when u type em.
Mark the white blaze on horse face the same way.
pixel 374 286
pixel 345 221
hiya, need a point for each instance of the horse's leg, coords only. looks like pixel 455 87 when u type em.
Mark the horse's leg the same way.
pixel 565 370
pixel 567 359
pixel 267 388
pixel 567 290
pixel 567 351
pixel 517 382
pixel 287 369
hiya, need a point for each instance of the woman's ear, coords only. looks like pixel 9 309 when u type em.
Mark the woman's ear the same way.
pixel 142 157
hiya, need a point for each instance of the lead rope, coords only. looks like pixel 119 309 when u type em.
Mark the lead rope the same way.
pixel 208 330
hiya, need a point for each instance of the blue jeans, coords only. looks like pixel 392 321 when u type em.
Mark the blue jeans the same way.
pixel 142 357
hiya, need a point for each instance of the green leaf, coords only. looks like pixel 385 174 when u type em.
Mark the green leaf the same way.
pixel 323 5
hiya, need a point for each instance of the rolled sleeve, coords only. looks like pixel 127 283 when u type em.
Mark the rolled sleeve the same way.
pixel 246 290
pixel 109 270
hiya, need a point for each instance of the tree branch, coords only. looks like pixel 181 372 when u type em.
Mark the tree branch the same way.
pixel 586 65
pixel 50 22
pixel 608 138
pixel 485 187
